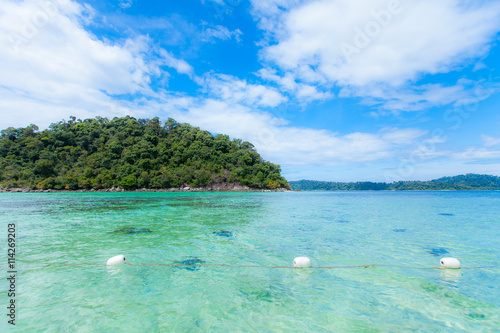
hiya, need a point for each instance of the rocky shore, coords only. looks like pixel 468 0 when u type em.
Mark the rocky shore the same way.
pixel 224 187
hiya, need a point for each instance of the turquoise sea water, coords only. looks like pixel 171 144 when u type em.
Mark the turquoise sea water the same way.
pixel 402 232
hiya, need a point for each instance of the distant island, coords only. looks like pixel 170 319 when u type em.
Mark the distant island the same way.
pixel 130 154
pixel 466 182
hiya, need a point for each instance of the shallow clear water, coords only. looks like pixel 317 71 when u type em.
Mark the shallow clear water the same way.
pixel 401 231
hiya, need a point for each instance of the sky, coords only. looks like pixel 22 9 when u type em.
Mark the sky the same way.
pixel 336 90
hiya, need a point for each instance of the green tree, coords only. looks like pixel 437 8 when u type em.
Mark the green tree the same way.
pixel 128 152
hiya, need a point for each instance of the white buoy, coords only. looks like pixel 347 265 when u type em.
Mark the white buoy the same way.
pixel 450 263
pixel 116 260
pixel 302 262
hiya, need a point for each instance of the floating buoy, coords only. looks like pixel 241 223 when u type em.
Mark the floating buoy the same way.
pixel 302 262
pixel 450 263
pixel 116 260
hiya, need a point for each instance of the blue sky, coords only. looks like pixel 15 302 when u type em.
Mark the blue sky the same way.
pixel 340 90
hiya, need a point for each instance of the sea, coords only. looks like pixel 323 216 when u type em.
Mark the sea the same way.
pixel 223 262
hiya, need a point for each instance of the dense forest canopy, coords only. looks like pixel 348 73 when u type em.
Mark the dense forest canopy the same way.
pixel 462 182
pixel 128 153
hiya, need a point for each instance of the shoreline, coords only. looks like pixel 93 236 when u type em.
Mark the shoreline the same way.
pixel 226 187
pixel 211 189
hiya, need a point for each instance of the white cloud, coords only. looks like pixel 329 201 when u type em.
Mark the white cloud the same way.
pixel 220 32
pixel 51 66
pixel 181 66
pixel 303 92
pixel 477 154
pixel 402 136
pixel 62 51
pixel 126 3
pixel 231 89
pixel 19 110
pixel 489 151
pixel 463 94
pixel 362 45
pixel 269 13
pixel 490 141
pixel 407 98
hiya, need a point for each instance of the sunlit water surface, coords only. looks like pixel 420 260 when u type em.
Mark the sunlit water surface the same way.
pixel 402 232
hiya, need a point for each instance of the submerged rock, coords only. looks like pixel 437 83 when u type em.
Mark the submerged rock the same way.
pixel 190 264
pixel 223 233
pixel 477 316
pixel 132 230
pixel 438 252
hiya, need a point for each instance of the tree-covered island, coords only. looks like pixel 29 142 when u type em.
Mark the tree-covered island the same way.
pixel 129 153
pixel 468 182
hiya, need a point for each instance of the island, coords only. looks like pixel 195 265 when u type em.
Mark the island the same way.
pixel 126 154
pixel 468 182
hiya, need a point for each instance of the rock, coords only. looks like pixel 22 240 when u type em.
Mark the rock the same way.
pixel 190 264
pixel 223 233
pixel 132 230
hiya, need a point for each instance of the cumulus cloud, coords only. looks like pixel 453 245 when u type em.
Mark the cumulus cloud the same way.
pixel 269 13
pixel 304 92
pixel 53 67
pixel 361 44
pixel 231 89
pixel 43 48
